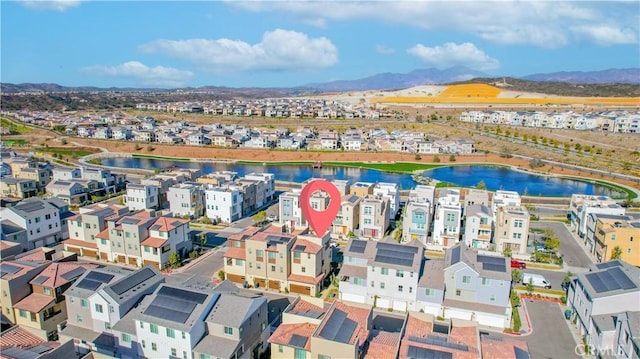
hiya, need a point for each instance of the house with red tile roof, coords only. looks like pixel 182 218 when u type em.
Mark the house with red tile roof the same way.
pixel 85 227
pixel 273 258
pixel 45 307
pixel 20 342
pixel 15 276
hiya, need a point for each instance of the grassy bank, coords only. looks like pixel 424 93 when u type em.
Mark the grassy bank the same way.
pixel 155 157
pixel 620 189
pixel 66 152
pixel 13 126
pixel 396 167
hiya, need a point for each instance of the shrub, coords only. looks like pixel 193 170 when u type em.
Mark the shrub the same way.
pixel 436 159
pixel 138 147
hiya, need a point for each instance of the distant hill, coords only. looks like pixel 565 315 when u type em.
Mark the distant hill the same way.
pixel 390 81
pixel 627 76
pixel 560 88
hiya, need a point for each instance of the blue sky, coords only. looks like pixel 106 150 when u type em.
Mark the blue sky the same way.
pixel 290 43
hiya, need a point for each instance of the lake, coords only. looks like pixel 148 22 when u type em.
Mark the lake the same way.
pixel 495 178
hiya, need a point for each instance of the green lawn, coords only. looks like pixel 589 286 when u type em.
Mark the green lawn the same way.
pixel 16 143
pixel 15 127
pixel 65 152
pixel 397 167
pixel 181 159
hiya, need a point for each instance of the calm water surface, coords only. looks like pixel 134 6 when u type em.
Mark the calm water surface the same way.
pixel 495 178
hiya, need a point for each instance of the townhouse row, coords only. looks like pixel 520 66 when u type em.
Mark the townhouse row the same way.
pixel 609 121
pixel 312 328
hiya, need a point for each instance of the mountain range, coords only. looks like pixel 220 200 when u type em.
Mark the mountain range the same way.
pixel 382 81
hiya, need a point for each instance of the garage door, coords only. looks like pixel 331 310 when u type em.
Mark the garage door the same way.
pixel 152 263
pixel 352 297
pixel 92 253
pixel 274 284
pixel 122 259
pixel 103 256
pixel 260 282
pixel 236 278
pixel 383 303
pixel 73 249
pixel 490 320
pixel 300 289
pixel 400 305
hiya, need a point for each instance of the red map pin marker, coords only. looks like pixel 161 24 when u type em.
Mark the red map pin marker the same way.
pixel 320 221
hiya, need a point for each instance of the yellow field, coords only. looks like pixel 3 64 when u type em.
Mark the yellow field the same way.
pixel 486 94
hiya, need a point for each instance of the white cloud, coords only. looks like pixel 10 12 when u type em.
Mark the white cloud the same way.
pixel 607 35
pixel 384 50
pixel 143 74
pixel 278 50
pixel 57 5
pixel 547 24
pixel 451 54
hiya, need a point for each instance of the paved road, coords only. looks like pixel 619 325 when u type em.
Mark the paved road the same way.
pixel 551 337
pixel 201 274
pixel 573 252
pixel 553 276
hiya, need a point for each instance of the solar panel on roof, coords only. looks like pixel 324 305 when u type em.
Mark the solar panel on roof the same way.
pixel 455 255
pixel 439 341
pixel 422 353
pixel 333 324
pixel 596 282
pixel 132 280
pixel 41 279
pixel 30 206
pixel 393 260
pixel 130 220
pixel 100 277
pixel 174 304
pixel 298 341
pixel 75 273
pixel 183 294
pixel 299 248
pixel 494 267
pixel 88 284
pixel 346 331
pixel 311 313
pixel 155 227
pixel 521 353
pixel 358 246
pixel 490 259
pixel 8 269
pixel 168 314
pixel 621 278
pixel 397 247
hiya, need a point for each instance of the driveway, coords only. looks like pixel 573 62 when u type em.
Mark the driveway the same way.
pixel 202 273
pixel 551 337
pixel 573 252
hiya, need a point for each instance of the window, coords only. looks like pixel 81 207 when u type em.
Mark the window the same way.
pixel 98 308
pixel 153 328
pixel 367 210
pixel 466 279
pixel 303 269
pixel 84 303
pixel 46 290
pixel 184 335
pixel 174 352
pixel 373 284
pixel 486 281
pixel 410 289
pixel 171 333
pixel 126 338
pixel 273 268
pixel 280 348
pixel 320 356
pixel 384 271
pixel 400 288
pixel 367 221
pixel 381 285
pixel 518 223
pixel 228 330
pixel 296 255
pixel 300 354
pixel 79 318
pixel 104 242
pixel 141 325
pixel 23 313
pixel 458 292
pixel 154 347
pixel 429 292
pixel 492 298
pixel 400 274
pixel 204 356
pixel 144 345
pixel 107 325
pixel 628 250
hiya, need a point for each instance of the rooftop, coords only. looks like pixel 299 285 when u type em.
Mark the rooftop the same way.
pixel 611 278
pixel 346 324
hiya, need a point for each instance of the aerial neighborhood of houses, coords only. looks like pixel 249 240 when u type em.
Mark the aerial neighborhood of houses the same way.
pixel 86 277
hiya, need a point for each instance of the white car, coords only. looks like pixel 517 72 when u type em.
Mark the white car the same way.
pixel 333 244
pixel 272 218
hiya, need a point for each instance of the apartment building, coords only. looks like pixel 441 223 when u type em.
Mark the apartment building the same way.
pixel 504 198
pixel 17 187
pixel 473 196
pixel 383 274
pixel 592 221
pixel 224 204
pixel 581 206
pixel 44 221
pixel 99 300
pixel 140 197
pixel 265 187
pixel 85 227
pixel 511 230
pixel 612 235
pixel 374 216
pixel 44 309
pixel 608 290
pixel 290 214
pixel 15 276
pixel 348 217
pixel 416 221
pixel 37 172
pixel 269 257
pixel 390 191
pixel 446 219
pixel 362 189
pixel 478 223
pixel 186 199
pixel 477 287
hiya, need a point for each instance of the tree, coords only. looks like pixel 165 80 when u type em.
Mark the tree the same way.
pixel 221 275
pixel 398 233
pixel 529 286
pixel 452 158
pixel 536 162
pixel 417 157
pixel 616 253
pixel 505 152
pixel 351 234
pixel 506 252
pixel 566 280
pixel 174 259
pixel 516 275
pixel 481 185
pixel 436 159
pixel 552 244
pixel 259 218
pixel 203 241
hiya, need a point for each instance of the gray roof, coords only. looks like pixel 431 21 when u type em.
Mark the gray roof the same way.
pixel 217 346
pixel 388 254
pixel 604 322
pixel 634 324
pixel 478 210
pixel 496 267
pixel 13 180
pixel 7 227
pixel 134 284
pixel 95 279
pixel 233 309
pixel 432 274
pixel 611 278
pixel 353 271
pixel 126 324
pixel 88 335
pixel 476 307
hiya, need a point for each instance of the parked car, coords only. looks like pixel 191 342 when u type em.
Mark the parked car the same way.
pixel 536 280
pixel 518 264
pixel 272 218
pixel 333 244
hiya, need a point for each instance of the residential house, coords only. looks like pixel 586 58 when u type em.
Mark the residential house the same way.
pixel 613 235
pixel 374 216
pixel 41 219
pixel 121 133
pixel 15 276
pixel 224 204
pixel 41 174
pixel 609 289
pixel 581 206
pixel 20 342
pixel 44 309
pixel 186 199
pixel 107 181
pixel 144 136
pixel 473 196
pixel 348 217
pixel 425 337
pixel 17 187
pixel 141 196
pixel 446 220
pixel 290 214
pixel 511 230
pixel 66 173
pixel 85 227
pixel 627 332
pixel 71 191
pixel 477 287
pixel 504 198
pixel 362 189
pixel 343 186
pixel 478 223
pixel 392 192
pixel 162 182
pixel 383 274
pixel 265 187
